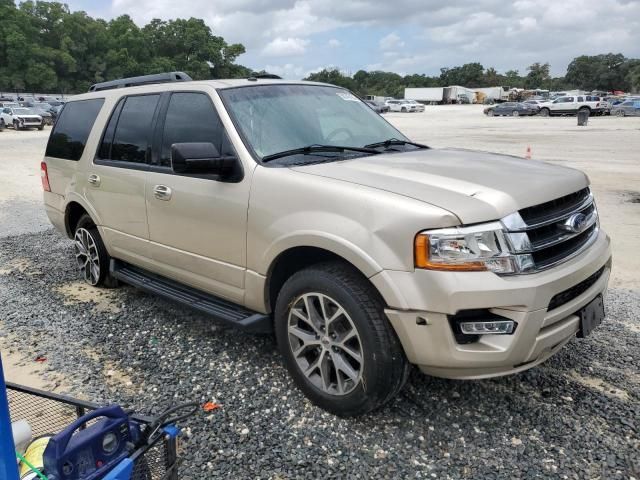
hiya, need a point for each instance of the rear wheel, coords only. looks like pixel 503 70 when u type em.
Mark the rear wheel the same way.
pixel 2 124
pixel 515 113
pixel 91 254
pixel 336 340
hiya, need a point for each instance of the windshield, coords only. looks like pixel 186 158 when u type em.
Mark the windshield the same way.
pixel 23 111
pixel 276 118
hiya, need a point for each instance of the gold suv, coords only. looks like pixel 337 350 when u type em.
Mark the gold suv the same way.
pixel 293 208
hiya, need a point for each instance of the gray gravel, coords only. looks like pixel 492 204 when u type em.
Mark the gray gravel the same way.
pixel 576 416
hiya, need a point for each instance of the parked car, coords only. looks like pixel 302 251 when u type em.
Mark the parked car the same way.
pixel 295 208
pixel 630 108
pixel 570 105
pixel 419 107
pixel 21 118
pixel 377 107
pixel 45 111
pixel 400 106
pixel 514 109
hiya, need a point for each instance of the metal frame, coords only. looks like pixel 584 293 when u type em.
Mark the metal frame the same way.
pixel 8 464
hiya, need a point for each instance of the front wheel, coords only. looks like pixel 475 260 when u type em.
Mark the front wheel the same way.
pixel 620 113
pixel 491 113
pixel 16 125
pixel 545 112
pixel 515 113
pixel 91 254
pixel 336 341
pixel 403 109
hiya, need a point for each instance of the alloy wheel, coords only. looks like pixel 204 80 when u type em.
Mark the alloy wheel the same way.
pixel 87 256
pixel 325 343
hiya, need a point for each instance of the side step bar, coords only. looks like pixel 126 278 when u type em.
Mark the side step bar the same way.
pixel 223 310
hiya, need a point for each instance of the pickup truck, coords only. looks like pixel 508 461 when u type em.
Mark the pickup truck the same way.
pixel 572 104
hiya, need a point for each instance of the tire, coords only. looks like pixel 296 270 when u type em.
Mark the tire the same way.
pixel 16 125
pixel 41 126
pixel 2 124
pixel 620 113
pixel 515 113
pixel 91 254
pixel 363 385
pixel 582 109
pixel 403 109
pixel 545 112
pixel 491 113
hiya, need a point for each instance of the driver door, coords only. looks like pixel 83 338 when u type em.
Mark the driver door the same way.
pixel 197 223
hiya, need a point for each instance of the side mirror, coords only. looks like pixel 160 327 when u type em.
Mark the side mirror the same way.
pixel 202 158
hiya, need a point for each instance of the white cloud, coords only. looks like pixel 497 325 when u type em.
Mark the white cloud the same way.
pixel 391 41
pixel 496 33
pixel 284 47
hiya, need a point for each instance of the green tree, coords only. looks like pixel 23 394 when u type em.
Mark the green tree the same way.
pixel 538 75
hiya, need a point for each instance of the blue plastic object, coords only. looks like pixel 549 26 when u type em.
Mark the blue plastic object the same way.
pixel 123 471
pixel 8 464
pixel 89 453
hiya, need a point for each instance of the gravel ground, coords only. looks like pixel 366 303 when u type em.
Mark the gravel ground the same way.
pixel 576 416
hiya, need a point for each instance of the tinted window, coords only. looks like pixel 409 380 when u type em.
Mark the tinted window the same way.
pixel 133 130
pixel 191 117
pixel 580 99
pixel 69 136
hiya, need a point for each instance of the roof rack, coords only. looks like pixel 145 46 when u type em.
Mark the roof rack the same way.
pixel 256 75
pixel 142 80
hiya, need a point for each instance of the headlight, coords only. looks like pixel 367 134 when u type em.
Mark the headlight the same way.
pixel 476 248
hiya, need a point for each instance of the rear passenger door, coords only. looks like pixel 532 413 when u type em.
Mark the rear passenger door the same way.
pixel 115 185
pixel 197 223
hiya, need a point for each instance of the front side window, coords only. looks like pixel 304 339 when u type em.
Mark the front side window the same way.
pixel 132 136
pixel 191 117
pixel 276 118
pixel 70 134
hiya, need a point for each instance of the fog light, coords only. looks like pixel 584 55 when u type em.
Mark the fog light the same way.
pixel 501 327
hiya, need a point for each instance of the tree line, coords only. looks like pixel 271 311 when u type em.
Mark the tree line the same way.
pixel 598 72
pixel 44 47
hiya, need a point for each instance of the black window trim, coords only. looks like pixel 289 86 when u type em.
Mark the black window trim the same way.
pixel 154 121
pixel 155 166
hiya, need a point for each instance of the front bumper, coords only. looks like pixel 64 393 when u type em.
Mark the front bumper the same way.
pixel 424 299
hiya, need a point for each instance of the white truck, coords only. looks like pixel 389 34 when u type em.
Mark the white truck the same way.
pixel 572 104
pixel 496 94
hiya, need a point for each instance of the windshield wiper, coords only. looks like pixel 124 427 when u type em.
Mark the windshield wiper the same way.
pixel 394 141
pixel 310 149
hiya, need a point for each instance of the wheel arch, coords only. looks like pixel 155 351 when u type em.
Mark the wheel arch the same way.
pixel 295 258
pixel 72 214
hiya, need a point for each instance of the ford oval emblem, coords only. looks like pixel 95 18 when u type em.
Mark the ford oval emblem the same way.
pixel 576 223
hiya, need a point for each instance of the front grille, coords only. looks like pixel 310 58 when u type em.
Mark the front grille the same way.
pixel 554 208
pixel 570 293
pixel 552 232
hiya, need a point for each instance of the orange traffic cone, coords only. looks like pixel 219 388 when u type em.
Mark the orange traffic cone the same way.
pixel 527 155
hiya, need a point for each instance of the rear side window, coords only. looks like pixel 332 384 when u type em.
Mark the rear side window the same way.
pixel 70 134
pixel 127 137
pixel 191 117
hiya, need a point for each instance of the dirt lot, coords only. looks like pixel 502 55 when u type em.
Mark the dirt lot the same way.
pixel 576 416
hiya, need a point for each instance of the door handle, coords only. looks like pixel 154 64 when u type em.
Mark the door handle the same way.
pixel 162 192
pixel 94 180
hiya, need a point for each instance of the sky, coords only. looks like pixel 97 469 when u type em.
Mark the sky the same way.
pixel 293 38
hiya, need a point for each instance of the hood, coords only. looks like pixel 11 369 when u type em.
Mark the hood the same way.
pixel 474 186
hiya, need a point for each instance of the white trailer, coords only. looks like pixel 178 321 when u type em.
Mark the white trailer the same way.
pixel 458 94
pixel 497 94
pixel 425 95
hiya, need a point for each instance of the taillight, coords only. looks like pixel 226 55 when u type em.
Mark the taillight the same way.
pixel 44 176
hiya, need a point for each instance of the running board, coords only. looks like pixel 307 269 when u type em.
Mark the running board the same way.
pixel 223 310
